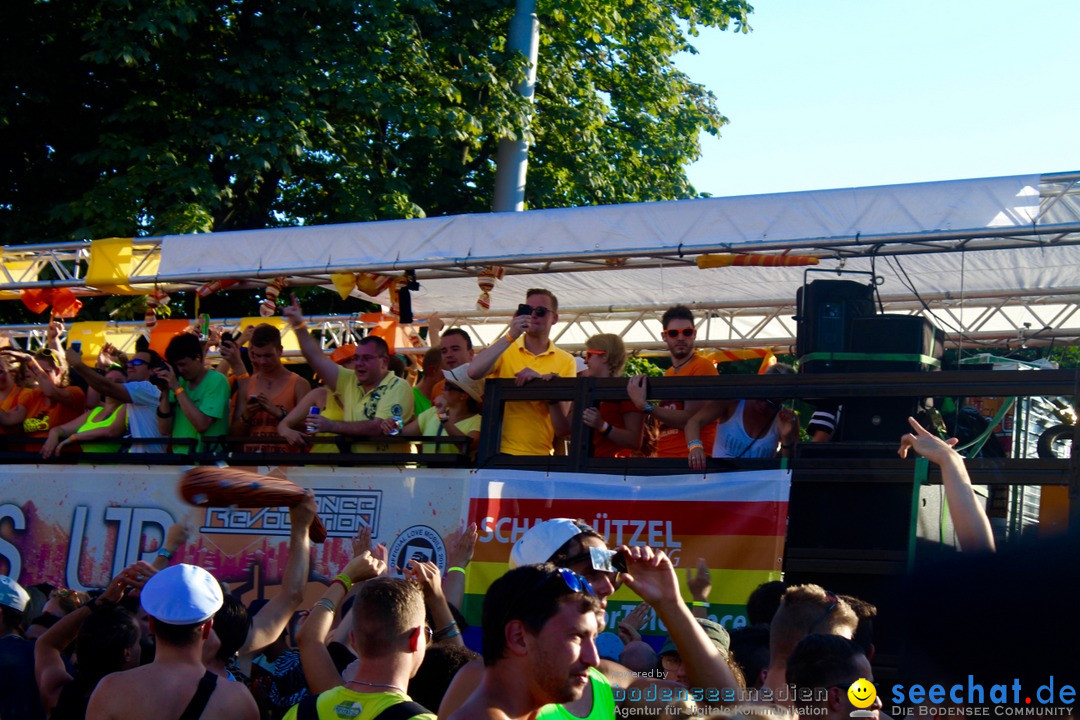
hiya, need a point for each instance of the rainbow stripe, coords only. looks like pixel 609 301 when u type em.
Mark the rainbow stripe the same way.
pixel 735 521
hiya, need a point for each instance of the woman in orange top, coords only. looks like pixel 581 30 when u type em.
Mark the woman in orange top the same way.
pixel 618 426
pixel 52 403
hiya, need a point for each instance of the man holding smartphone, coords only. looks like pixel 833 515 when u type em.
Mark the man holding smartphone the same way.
pixel 525 354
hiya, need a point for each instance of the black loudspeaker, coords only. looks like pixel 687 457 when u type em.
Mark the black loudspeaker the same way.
pixel 825 311
pixel 897 335
pixel 894 343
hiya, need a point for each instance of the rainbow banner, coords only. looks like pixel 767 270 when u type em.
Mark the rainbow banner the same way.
pixel 735 521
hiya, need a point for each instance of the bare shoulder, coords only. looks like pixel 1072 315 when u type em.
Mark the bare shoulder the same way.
pixel 477 708
pixel 466 680
pixel 233 700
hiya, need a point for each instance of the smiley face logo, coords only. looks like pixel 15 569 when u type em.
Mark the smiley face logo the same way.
pixel 862 693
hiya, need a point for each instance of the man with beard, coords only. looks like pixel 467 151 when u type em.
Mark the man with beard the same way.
pixel 539 625
pixel 678 334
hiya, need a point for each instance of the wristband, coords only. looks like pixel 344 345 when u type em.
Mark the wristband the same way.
pixel 509 339
pixel 326 605
pixel 455 568
pixel 165 416
pixel 345 580
pixel 648 407
pixel 165 553
pixel 606 430
pixel 698 603
pixel 179 391
pixel 695 444
pixel 242 376
pixel 449 634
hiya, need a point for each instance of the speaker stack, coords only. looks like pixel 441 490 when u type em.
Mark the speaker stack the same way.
pixel 848 527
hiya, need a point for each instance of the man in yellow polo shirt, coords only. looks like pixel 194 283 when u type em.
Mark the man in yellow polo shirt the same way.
pixel 526 353
pixel 377 402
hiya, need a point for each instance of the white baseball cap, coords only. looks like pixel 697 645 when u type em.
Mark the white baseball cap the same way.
pixel 543 539
pixel 12 594
pixel 182 595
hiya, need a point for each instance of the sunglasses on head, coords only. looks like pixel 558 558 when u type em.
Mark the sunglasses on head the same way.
pixel 834 601
pixel 594 352
pixel 685 332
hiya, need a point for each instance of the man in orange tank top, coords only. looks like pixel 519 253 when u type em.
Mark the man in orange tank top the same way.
pixel 678 334
pixel 269 394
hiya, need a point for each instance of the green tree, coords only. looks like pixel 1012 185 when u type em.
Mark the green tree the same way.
pixel 125 117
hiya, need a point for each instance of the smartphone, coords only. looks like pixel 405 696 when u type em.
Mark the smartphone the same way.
pixel 76 345
pixel 227 337
pixel 523 309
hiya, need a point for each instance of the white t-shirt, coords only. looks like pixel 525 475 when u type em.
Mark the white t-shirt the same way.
pixel 142 415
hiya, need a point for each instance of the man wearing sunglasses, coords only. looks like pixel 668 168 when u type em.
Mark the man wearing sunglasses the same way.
pixel 575 546
pixel 679 334
pixel 539 632
pixel 141 395
pixel 525 354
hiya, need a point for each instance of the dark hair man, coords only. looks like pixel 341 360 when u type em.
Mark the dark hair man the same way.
pixel 181 601
pixel 141 395
pixel 679 334
pixel 823 669
pixel 266 397
pixel 198 404
pixel 539 625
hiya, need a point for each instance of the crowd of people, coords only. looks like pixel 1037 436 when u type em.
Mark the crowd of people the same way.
pixel 365 399
pixel 169 640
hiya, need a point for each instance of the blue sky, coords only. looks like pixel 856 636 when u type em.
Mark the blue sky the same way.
pixel 839 93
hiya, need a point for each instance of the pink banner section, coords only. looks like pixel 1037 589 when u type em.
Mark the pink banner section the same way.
pixel 77 526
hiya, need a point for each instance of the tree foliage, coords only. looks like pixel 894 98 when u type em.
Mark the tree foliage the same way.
pixel 125 117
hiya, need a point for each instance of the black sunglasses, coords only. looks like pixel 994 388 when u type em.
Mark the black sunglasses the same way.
pixel 685 332
pixel 538 311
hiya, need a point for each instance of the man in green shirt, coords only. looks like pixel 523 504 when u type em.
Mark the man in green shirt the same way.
pixel 198 404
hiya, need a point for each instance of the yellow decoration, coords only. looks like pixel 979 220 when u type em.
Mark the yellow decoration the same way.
pixel 344 282
pixel 112 262
pixel 16 269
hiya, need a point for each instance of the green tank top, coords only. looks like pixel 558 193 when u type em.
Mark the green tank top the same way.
pixel 603 702
pixel 92 423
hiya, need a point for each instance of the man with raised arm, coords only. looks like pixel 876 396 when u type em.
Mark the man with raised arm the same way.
pixel 526 353
pixel 377 402
pixel 139 393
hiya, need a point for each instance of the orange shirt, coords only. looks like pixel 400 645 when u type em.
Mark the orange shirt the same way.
pixel 671 442
pixel 42 414
pixel 612 412
pixel 13 399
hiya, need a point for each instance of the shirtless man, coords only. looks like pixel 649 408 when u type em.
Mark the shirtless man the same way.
pixel 539 625
pixel 181 601
pixel 264 399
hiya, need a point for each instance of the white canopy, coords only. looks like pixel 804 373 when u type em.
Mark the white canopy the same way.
pixel 1011 239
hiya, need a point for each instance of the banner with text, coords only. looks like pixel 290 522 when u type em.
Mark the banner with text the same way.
pixel 77 526
pixel 735 521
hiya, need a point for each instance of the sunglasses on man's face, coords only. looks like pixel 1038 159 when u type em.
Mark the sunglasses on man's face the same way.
pixel 136 362
pixel 538 311
pixel 685 332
